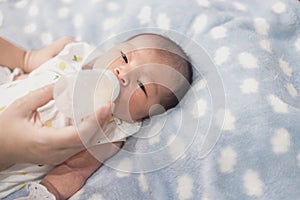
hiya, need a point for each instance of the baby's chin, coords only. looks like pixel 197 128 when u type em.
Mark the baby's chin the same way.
pixel 127 119
pixel 121 115
pixel 118 111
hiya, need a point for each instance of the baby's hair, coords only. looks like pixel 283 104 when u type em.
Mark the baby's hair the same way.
pixel 184 67
pixel 174 56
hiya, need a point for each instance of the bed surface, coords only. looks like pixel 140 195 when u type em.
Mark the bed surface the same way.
pixel 235 135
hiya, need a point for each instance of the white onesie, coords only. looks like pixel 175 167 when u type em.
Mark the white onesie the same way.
pixel 67 61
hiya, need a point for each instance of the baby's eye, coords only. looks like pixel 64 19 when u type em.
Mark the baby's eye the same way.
pixel 141 85
pixel 124 56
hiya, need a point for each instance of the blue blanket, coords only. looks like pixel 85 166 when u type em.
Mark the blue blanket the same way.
pixel 235 135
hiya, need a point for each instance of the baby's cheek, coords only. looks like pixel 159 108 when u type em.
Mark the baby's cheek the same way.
pixel 137 105
pixel 133 105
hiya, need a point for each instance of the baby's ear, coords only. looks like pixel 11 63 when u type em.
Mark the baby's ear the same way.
pixel 156 109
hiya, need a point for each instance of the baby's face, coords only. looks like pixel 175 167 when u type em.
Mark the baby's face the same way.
pixel 142 77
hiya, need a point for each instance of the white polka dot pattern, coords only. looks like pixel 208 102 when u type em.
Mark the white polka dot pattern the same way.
pixel 297 44
pixel 200 108
pixel 1 18
pixel 249 85
pixel 143 182
pixel 30 28
pixel 221 55
pixel 280 141
pixel 203 3
pixel 285 67
pixel 185 187
pixel 125 167
pixel 255 50
pixel 145 15
pixel 277 104
pixel 63 12
pixel 227 160
pixel 252 183
pixel 266 45
pixel 279 8
pixel 199 23
pixel 240 6
pixel 247 60
pixel 261 26
pixel 226 120
pixel 163 21
pixel 218 32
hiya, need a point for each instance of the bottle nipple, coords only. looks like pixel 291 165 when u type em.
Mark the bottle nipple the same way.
pixel 81 94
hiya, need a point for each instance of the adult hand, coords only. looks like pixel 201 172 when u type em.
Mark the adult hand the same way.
pixel 22 141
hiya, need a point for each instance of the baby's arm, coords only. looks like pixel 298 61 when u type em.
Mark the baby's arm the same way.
pixel 13 56
pixel 67 178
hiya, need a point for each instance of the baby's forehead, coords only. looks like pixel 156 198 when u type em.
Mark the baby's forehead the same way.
pixel 145 54
pixel 147 40
pixel 152 42
pixel 140 47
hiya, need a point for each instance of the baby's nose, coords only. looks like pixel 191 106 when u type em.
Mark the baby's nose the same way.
pixel 121 75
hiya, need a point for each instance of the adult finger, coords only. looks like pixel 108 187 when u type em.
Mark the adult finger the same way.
pixel 80 134
pixel 34 100
pixel 63 138
pixel 57 144
pixel 65 142
pixel 103 114
pixel 92 128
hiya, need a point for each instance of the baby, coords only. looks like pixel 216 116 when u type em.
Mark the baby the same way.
pixel 153 73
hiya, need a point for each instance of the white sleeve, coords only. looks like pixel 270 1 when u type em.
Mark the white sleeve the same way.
pixel 37 192
pixel 69 60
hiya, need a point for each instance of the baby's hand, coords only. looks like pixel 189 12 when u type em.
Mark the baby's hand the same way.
pixel 34 59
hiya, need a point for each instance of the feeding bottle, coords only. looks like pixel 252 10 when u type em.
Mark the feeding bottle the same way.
pixel 79 95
